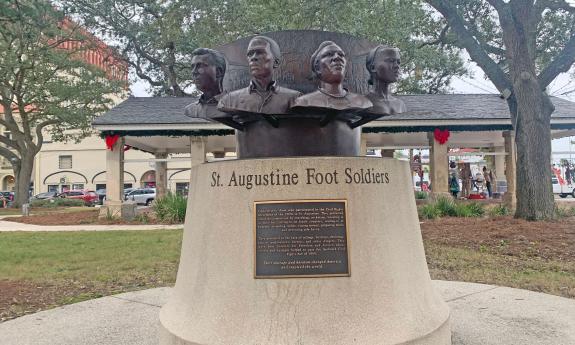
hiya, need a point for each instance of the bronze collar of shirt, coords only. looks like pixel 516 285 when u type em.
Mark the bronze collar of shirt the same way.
pixel 202 100
pixel 271 87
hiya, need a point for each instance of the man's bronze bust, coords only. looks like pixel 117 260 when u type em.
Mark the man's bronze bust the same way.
pixel 263 95
pixel 208 69
pixel 328 64
pixel 383 63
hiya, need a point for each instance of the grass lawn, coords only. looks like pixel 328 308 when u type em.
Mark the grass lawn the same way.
pixel 40 270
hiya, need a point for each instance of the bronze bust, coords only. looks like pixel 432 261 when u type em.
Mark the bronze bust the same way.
pixel 263 95
pixel 208 69
pixel 383 63
pixel 328 64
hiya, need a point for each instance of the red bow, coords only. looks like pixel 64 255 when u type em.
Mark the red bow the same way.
pixel 111 140
pixel 441 135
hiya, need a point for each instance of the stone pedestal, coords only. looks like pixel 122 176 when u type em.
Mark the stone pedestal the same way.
pixel 118 209
pixel 386 299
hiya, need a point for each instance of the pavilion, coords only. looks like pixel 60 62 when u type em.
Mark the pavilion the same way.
pixel 159 126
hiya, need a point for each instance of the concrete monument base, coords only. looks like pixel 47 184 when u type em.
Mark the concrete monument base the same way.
pixel 118 209
pixel 386 299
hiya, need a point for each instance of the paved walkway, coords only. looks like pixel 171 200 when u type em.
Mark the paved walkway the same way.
pixel 481 315
pixel 14 226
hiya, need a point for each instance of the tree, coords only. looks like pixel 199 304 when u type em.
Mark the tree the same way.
pixel 156 37
pixel 521 45
pixel 46 87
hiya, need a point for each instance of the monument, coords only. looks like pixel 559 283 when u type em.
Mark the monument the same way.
pixel 302 245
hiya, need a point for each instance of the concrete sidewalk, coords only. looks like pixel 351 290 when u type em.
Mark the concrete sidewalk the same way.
pixel 481 315
pixel 14 226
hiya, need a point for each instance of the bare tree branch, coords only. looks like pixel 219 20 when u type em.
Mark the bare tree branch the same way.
pixel 473 47
pixel 40 135
pixel 562 63
pixel 442 38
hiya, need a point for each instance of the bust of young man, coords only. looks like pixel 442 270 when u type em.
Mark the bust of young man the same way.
pixel 328 64
pixel 263 95
pixel 383 65
pixel 208 69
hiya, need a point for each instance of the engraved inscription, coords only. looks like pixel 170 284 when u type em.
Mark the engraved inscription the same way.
pixel 301 239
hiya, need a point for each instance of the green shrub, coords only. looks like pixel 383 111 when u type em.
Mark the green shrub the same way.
pixel 421 195
pixel 499 210
pixel 142 218
pixel 462 210
pixel 446 206
pixel 563 212
pixel 58 202
pixel 469 210
pixel 429 211
pixel 170 208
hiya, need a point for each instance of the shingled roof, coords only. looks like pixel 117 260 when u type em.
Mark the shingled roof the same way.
pixel 165 115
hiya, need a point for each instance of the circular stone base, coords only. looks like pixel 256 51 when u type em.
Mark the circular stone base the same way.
pixel 386 299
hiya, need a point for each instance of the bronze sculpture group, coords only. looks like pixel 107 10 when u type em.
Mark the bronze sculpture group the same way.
pixel 264 105
pixel 264 96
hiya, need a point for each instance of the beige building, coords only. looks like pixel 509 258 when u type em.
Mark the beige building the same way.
pixel 7 179
pixel 61 166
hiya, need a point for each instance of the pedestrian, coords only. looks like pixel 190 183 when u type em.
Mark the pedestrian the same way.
pixel 487 178
pixel 466 179
pixel 454 185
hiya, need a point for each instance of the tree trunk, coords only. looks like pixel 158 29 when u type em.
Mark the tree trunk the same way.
pixel 533 139
pixel 23 176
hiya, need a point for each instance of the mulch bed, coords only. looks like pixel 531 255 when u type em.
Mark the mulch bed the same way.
pixel 550 240
pixel 75 218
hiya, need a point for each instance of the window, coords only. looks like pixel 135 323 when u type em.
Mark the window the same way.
pixel 65 162
pixel 182 188
pixel 52 188
pixel 78 186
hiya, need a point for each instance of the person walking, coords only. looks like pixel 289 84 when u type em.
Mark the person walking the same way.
pixel 466 179
pixel 454 185
pixel 487 178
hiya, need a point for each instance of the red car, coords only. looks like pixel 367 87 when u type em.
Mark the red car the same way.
pixel 89 196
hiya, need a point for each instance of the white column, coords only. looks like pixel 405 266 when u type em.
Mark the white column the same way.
pixel 161 175
pixel 500 162
pixel 510 169
pixel 115 172
pixel 363 146
pixel 438 163
pixel 198 150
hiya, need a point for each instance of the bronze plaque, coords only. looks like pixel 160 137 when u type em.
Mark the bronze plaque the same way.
pixel 301 238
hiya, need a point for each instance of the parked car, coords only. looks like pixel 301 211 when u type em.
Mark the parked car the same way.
pixel 45 195
pixel 101 196
pixel 143 196
pixel 89 196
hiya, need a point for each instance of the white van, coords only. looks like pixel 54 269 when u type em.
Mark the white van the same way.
pixel 563 190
